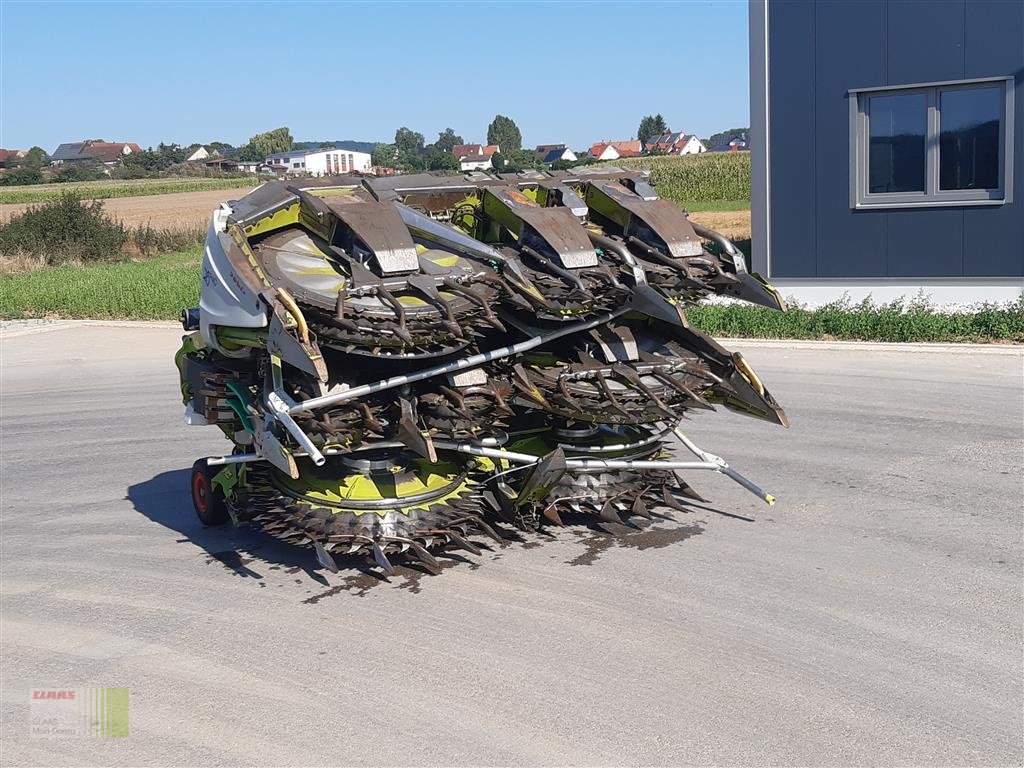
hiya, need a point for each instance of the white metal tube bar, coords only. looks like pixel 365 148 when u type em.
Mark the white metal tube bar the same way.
pixel 585 465
pixel 280 411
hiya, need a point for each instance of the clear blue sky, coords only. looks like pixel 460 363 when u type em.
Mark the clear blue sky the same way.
pixel 195 72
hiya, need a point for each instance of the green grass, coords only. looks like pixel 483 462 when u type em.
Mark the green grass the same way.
pixel 107 188
pixel 156 289
pixel 899 321
pixel 159 288
pixel 695 206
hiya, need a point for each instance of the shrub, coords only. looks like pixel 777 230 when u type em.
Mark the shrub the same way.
pixel 78 172
pixel 22 176
pixel 63 230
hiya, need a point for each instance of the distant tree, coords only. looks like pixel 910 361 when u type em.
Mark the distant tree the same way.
pixel 35 158
pixel 505 133
pixel 650 127
pixel 438 159
pixel 447 140
pixel 263 144
pixel 407 162
pixel 515 161
pixel 79 172
pixel 409 150
pixel 384 156
pixel 219 146
pixel 562 165
pixel 23 175
pixel 723 136
pixel 171 152
pixel 150 160
pixel 408 142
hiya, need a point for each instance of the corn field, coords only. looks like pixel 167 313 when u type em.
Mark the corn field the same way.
pixel 697 178
pixel 99 190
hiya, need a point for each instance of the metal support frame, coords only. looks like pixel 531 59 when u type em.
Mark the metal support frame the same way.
pixel 453 367
pixel 708 461
pixel 281 406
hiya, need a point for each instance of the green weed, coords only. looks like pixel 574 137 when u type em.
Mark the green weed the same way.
pixel 156 289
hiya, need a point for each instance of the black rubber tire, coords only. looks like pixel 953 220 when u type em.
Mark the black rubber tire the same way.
pixel 211 509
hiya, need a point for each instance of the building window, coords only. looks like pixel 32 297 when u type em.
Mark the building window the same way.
pixel 933 144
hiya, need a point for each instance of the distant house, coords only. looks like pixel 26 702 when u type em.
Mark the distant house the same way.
pixel 199 152
pixel 9 158
pixel 676 143
pixel 479 162
pixel 227 165
pixel 613 150
pixel 325 161
pixel 95 151
pixel 220 164
pixel 631 148
pixel 465 150
pixel 733 144
pixel 603 150
pixel 560 154
pixel 552 153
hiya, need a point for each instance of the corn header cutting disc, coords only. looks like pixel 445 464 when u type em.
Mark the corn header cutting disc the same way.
pixel 377 503
pixel 409 364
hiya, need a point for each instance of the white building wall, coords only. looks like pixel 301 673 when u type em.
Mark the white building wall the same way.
pixel 328 162
pixel 331 162
pixel 948 293
pixel 693 147
pixel 481 165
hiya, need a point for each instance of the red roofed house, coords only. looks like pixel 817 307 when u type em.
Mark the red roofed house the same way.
pixel 613 150
pixel 474 157
pixel 676 144
pixel 465 150
pixel 11 157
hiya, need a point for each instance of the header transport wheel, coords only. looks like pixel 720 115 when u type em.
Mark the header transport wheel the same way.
pixel 207 499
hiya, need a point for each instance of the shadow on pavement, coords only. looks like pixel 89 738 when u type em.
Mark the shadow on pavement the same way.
pixel 250 553
pixel 165 499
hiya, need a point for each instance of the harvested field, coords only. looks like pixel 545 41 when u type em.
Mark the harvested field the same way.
pixel 159 211
pixel 188 208
pixel 733 224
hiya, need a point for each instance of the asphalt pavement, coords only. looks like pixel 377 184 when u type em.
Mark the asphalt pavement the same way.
pixel 872 616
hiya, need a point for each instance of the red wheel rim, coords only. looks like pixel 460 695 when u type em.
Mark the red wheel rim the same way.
pixel 200 492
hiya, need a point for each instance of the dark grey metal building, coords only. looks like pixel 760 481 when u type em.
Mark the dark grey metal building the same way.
pixel 888 147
